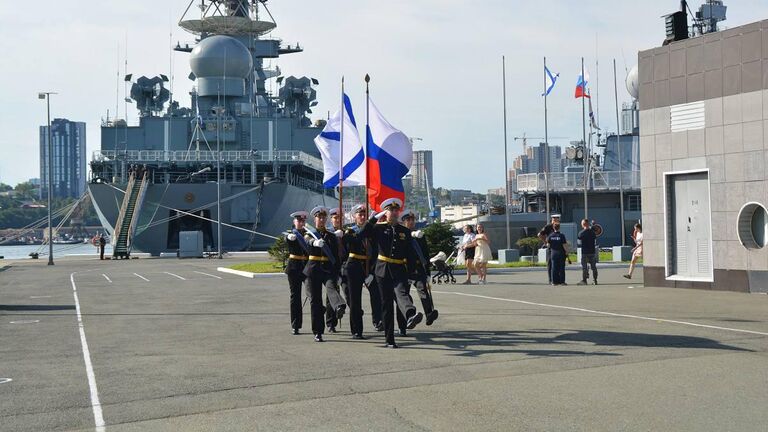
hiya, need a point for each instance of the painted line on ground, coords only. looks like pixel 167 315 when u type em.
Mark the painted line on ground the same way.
pixel 213 276
pixel 107 278
pixel 25 322
pixel 5 380
pixel 174 275
pixel 597 312
pixel 141 277
pixel 247 274
pixel 98 417
pixel 39 297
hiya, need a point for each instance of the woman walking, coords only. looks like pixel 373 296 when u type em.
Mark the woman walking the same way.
pixel 483 253
pixel 637 252
pixel 468 248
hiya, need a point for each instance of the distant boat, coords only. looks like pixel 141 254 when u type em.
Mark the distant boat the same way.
pixel 67 241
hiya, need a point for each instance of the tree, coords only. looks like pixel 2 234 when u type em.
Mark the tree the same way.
pixel 529 243
pixel 25 190
pixel 5 188
pixel 440 238
pixel 279 251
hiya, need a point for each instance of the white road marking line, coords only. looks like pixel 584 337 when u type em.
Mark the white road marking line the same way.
pixel 107 278
pixel 175 275
pixel 213 276
pixel 39 297
pixel 98 417
pixel 25 322
pixel 5 380
pixel 141 277
pixel 607 313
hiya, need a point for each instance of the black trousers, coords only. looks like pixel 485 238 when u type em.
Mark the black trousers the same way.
pixel 295 281
pixel 315 285
pixel 549 264
pixel 424 295
pixel 333 300
pixel 101 252
pixel 353 289
pixel 558 268
pixel 391 289
pixel 375 295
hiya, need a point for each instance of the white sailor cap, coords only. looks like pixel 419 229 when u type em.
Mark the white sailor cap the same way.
pixel 557 215
pixel 360 208
pixel 301 214
pixel 333 211
pixel 407 213
pixel 319 209
pixel 391 203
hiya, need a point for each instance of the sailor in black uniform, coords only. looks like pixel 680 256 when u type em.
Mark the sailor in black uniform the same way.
pixel 356 269
pixel 298 251
pixel 419 269
pixel 331 312
pixel 322 270
pixel 394 245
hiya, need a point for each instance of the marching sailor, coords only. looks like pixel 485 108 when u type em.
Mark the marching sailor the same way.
pixel 298 251
pixel 394 248
pixel 356 269
pixel 331 312
pixel 419 268
pixel 322 271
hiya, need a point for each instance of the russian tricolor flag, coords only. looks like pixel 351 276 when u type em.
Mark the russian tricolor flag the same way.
pixel 581 86
pixel 389 156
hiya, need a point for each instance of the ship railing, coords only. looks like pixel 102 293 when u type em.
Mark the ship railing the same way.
pixel 574 181
pixel 261 156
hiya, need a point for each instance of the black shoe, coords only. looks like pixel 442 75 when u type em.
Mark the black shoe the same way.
pixel 358 336
pixel 414 320
pixel 432 317
pixel 332 329
pixel 403 332
pixel 295 331
pixel 392 345
pixel 319 338
pixel 340 312
pixel 595 281
pixel 379 326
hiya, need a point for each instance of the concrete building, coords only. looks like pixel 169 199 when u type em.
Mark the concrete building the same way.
pixel 69 173
pixel 459 212
pixel 421 172
pixel 704 151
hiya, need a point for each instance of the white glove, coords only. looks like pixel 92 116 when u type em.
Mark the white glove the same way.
pixel 380 214
pixel 318 243
pixel 417 234
pixel 339 233
pixel 369 279
pixel 308 238
pixel 291 237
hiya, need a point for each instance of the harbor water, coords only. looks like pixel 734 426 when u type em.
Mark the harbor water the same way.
pixel 22 252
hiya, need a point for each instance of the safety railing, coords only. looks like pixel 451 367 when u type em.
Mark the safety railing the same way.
pixel 574 181
pixel 150 156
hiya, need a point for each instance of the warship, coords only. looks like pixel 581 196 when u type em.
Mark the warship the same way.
pixel 239 154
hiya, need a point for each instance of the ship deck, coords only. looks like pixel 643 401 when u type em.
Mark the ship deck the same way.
pixel 176 345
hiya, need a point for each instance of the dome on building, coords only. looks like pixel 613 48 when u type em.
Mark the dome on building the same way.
pixel 219 56
pixel 633 85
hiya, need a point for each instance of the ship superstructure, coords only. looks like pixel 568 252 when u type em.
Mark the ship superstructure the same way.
pixel 154 179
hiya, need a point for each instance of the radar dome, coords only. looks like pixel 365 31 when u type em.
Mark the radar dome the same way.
pixel 219 56
pixel 633 85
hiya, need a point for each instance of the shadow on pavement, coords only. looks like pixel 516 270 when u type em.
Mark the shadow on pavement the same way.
pixel 469 343
pixel 33 308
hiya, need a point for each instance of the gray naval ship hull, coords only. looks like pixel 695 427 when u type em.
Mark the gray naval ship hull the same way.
pixel 244 206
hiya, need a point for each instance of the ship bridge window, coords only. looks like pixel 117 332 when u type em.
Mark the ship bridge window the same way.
pixel 753 226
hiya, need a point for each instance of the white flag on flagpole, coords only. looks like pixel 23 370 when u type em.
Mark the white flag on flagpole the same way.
pixel 329 143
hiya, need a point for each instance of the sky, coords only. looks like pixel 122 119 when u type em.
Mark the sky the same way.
pixel 435 65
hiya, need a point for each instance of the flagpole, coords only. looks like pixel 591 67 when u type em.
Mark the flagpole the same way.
pixel 506 158
pixel 618 144
pixel 546 140
pixel 341 155
pixel 367 111
pixel 584 138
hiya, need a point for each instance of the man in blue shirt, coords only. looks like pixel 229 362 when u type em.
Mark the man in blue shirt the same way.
pixel 588 238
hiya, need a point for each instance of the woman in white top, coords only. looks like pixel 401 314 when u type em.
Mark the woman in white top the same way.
pixel 482 253
pixel 637 252
pixel 468 248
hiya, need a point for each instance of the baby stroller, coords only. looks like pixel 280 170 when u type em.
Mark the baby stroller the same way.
pixel 444 265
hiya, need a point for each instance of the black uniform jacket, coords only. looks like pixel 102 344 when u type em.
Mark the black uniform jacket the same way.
pixel 313 267
pixel 417 268
pixel 295 248
pixel 354 243
pixel 392 242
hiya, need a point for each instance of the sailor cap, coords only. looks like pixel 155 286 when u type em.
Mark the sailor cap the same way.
pixel 319 209
pixel 333 211
pixel 391 203
pixel 360 208
pixel 556 215
pixel 407 213
pixel 299 214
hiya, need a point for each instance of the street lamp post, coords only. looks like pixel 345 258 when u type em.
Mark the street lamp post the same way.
pixel 47 97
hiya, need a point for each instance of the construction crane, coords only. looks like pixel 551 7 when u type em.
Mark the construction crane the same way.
pixel 526 138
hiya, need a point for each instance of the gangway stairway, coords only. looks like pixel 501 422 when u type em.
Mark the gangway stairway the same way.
pixel 129 216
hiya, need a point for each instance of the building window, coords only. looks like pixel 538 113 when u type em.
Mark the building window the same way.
pixel 633 203
pixel 753 226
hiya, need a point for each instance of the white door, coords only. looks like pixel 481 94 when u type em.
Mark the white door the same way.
pixel 689 243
